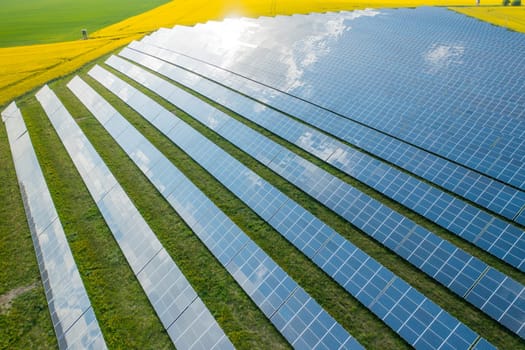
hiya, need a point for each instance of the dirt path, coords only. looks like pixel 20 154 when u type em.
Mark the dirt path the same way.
pixel 7 298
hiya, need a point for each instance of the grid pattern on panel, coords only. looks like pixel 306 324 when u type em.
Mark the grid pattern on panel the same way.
pixel 452 267
pixel 166 287
pixel 73 318
pixel 272 290
pixel 474 225
pixel 442 89
pixel 475 187
pixel 277 97
pixel 423 321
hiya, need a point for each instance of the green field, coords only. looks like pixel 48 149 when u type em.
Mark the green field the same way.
pixel 27 22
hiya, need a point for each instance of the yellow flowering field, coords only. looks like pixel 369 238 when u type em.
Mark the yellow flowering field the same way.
pixel 36 58
pixel 26 67
pixel 508 16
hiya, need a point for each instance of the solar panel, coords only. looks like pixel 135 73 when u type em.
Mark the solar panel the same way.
pixel 476 226
pixel 353 78
pixel 355 271
pixel 296 315
pixel 483 191
pixel 297 225
pixel 438 258
pixel 425 83
pixel 166 287
pixel 73 318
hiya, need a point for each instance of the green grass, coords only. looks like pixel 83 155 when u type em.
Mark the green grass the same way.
pixel 26 325
pixel 28 22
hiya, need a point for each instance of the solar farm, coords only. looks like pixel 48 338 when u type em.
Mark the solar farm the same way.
pixel 328 180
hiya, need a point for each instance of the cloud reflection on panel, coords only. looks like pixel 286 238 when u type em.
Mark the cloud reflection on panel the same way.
pixel 441 56
pixel 309 47
pixel 316 145
pixel 294 45
pixel 309 43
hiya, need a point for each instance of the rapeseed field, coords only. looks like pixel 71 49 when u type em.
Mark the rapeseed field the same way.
pixel 509 16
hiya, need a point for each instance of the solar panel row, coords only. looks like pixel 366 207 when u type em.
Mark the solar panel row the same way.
pixel 186 319
pixel 444 71
pixel 298 317
pixel 462 273
pixel 417 319
pixel 73 318
pixel 483 191
pixel 491 234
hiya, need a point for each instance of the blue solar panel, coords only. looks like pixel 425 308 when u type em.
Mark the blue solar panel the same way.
pixel 272 290
pixel 503 240
pixel 414 243
pixel 358 273
pixel 495 292
pixel 166 287
pixel 388 148
pixel 73 318
pixel 487 232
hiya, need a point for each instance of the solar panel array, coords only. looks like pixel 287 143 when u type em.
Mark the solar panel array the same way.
pixel 414 104
pixel 483 191
pixel 462 273
pixel 73 318
pixel 454 72
pixel 417 319
pixel 503 240
pixel 188 322
pixel 299 318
